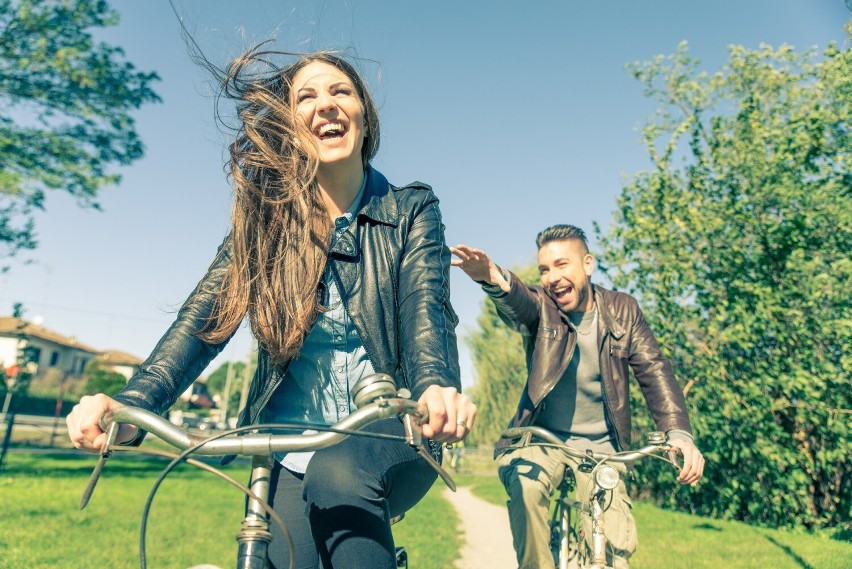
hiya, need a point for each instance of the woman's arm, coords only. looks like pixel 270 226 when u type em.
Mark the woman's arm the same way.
pixel 177 360
pixel 180 356
pixel 427 321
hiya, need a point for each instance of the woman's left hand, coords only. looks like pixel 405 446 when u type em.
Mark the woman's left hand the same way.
pixel 451 414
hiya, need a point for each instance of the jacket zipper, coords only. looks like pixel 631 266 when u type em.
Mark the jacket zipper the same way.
pixel 608 414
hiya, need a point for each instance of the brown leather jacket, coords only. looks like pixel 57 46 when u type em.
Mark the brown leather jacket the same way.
pixel 392 266
pixel 625 341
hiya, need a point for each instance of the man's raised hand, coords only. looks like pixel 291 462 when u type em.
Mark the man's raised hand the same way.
pixel 478 266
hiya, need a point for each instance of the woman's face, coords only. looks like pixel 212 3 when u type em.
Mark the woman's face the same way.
pixel 327 101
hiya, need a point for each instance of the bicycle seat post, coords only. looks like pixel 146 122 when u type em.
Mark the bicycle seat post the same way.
pixel 254 537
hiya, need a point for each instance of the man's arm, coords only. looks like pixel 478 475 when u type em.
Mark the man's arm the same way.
pixel 479 267
pixel 516 304
pixel 664 397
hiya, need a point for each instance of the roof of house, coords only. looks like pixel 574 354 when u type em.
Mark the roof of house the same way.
pixel 10 326
pixel 119 358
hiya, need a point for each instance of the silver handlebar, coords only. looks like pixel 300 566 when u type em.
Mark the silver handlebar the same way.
pixel 544 434
pixel 375 395
pixel 261 443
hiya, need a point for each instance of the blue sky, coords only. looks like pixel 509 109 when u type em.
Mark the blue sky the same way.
pixel 519 114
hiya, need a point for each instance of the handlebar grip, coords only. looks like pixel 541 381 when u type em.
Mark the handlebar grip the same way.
pixel 105 420
pixel 423 413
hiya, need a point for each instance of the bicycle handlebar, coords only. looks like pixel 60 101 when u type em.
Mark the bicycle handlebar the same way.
pixel 262 443
pixel 380 406
pixel 622 457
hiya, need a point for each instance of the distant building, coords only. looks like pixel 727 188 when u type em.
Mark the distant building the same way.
pixel 48 349
pixel 56 358
pixel 120 362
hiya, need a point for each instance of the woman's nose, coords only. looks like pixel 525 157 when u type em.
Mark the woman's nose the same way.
pixel 325 101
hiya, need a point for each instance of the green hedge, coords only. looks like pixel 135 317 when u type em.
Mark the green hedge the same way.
pixel 34 405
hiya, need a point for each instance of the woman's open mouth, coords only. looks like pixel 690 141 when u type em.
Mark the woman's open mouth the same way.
pixel 330 130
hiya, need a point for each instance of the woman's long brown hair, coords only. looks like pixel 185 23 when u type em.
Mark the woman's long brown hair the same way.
pixel 280 226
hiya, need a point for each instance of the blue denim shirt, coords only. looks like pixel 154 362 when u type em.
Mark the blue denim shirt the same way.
pixel 316 386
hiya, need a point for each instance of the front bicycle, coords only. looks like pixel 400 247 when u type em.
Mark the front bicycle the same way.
pixel 375 397
pixel 571 545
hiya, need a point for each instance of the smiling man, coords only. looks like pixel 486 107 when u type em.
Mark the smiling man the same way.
pixel 581 340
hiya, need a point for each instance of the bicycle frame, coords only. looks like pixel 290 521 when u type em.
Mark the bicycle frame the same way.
pixel 376 398
pixel 603 479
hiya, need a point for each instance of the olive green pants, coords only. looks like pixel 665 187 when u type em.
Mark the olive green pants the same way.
pixel 530 475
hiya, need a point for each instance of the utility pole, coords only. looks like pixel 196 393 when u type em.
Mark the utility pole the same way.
pixel 223 411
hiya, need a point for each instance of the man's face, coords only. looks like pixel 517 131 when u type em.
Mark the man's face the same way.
pixel 565 268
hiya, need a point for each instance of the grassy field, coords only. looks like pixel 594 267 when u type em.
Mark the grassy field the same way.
pixel 195 517
pixel 676 540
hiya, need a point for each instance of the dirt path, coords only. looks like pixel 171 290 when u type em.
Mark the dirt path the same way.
pixel 488 539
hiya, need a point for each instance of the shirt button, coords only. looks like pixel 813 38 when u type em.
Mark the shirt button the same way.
pixel 338 337
pixel 341 408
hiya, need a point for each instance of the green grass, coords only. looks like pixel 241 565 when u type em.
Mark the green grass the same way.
pixel 673 539
pixel 194 518
pixel 428 532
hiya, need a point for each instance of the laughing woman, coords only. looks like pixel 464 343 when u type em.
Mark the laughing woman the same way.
pixel 341 274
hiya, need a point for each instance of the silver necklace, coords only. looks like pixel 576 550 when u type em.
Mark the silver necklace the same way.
pixel 591 326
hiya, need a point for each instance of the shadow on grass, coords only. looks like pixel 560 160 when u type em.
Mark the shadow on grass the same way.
pixel 790 553
pixel 844 535
pixel 707 526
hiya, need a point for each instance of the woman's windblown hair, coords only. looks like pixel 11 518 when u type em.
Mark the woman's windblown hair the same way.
pixel 280 226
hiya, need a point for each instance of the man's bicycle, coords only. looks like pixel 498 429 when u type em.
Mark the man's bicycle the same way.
pixel 375 397
pixel 571 546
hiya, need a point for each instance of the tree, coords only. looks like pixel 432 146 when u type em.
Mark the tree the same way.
pixel 101 379
pixel 738 242
pixel 65 103
pixel 501 369
pixel 239 372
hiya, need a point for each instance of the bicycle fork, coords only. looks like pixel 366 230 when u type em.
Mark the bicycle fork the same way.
pixel 598 535
pixel 254 537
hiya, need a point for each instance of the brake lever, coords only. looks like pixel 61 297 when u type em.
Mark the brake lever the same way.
pixel 112 433
pixel 675 457
pixel 415 440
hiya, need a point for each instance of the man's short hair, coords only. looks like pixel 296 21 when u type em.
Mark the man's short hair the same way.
pixel 561 232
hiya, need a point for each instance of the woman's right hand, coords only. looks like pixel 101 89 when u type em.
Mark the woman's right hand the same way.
pixel 82 422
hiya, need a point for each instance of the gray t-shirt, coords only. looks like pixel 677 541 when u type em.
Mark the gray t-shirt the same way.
pixel 574 409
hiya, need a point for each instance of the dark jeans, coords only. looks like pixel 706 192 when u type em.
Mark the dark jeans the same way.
pixel 338 513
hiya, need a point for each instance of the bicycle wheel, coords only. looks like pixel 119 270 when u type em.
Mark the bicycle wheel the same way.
pixel 564 543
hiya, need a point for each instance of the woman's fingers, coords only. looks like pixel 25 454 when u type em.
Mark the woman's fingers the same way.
pixel 465 418
pixel 82 423
pixel 451 414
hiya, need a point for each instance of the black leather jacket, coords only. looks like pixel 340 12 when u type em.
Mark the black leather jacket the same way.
pixel 626 343
pixel 394 280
